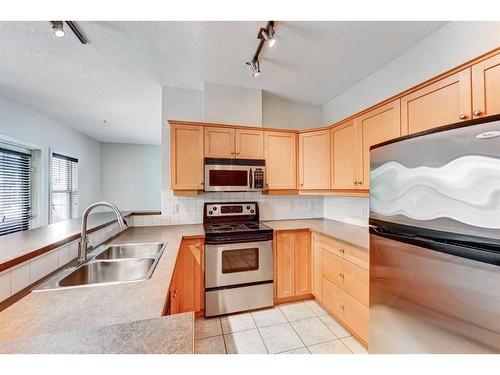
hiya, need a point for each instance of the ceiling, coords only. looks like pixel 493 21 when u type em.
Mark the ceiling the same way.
pixel 118 75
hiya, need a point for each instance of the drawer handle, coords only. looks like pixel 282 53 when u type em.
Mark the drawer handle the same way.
pixel 341 275
pixel 342 251
pixel 342 307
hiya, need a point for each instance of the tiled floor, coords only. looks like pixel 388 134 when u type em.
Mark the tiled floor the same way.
pixel 294 328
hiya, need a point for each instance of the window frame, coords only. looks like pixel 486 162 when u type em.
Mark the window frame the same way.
pixel 19 148
pixel 50 191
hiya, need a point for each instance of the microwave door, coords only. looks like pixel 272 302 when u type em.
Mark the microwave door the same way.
pixel 226 178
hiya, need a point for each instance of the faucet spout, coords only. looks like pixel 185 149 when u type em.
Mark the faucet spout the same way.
pixel 82 249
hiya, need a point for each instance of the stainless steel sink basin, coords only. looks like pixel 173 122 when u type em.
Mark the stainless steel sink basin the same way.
pixel 139 250
pixel 97 272
pixel 110 264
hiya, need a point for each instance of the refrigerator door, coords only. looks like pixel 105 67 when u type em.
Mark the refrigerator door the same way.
pixel 447 180
pixel 426 301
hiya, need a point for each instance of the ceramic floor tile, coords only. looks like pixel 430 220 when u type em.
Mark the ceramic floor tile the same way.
pixel 335 326
pixel 296 311
pixel 329 347
pixel 280 338
pixel 238 322
pixel 207 328
pixel 354 346
pixel 312 331
pixel 210 345
pixel 268 317
pixel 245 342
pixel 316 308
pixel 297 351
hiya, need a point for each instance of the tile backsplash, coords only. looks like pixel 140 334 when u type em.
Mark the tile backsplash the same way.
pixel 189 210
pixel 347 209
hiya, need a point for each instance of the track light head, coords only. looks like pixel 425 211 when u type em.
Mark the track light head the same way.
pixel 58 28
pixel 254 64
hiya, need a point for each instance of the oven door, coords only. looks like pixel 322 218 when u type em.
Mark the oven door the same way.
pixel 238 264
pixel 228 178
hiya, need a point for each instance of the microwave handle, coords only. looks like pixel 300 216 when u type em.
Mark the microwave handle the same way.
pixel 250 178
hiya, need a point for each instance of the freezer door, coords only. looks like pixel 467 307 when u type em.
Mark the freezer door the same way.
pixel 426 301
pixel 446 180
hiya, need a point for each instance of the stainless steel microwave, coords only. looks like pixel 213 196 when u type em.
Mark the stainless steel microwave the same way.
pixel 234 174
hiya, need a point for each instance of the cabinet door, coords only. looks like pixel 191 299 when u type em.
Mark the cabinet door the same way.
pixel 314 160
pixel 444 102
pixel 189 275
pixel 285 264
pixel 174 296
pixel 280 150
pixel 302 262
pixel 486 87
pixel 186 157
pixel 249 144
pixel 316 268
pixel 379 125
pixel 219 142
pixel 345 156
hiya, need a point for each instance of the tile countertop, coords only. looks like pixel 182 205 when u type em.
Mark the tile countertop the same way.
pixel 353 234
pixel 84 308
pixel 166 335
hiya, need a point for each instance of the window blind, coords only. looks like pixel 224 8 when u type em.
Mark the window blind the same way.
pixel 63 188
pixel 15 191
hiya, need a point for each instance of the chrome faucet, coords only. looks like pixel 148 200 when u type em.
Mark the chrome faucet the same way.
pixel 82 250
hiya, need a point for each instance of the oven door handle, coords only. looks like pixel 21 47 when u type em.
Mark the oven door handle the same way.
pixel 250 178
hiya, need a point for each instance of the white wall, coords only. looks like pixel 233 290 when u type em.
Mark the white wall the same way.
pixel 131 176
pixel 27 125
pixel 232 105
pixel 278 112
pixel 450 46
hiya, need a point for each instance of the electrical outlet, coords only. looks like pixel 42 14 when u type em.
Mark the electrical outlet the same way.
pixel 292 205
pixel 175 209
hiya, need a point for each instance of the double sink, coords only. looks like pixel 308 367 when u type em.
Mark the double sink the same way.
pixel 110 264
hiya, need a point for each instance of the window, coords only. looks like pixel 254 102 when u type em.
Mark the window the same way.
pixel 63 188
pixel 15 189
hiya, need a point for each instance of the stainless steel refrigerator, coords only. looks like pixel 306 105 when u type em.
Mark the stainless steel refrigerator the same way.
pixel 435 241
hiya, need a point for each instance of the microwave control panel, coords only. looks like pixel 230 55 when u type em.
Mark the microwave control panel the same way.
pixel 258 179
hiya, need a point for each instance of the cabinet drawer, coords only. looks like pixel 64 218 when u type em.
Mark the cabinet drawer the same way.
pixel 345 275
pixel 348 252
pixel 350 311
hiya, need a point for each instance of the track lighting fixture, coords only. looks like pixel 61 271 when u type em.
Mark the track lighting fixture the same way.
pixel 265 34
pixel 254 64
pixel 58 28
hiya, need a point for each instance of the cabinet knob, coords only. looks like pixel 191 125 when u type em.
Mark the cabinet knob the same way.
pixel 355 182
pixel 360 182
pixel 462 116
pixel 477 112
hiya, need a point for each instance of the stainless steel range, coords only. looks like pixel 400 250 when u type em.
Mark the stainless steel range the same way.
pixel 238 258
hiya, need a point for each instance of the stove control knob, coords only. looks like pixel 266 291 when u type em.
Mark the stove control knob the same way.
pixel 210 212
pixel 215 208
pixel 252 211
pixel 248 207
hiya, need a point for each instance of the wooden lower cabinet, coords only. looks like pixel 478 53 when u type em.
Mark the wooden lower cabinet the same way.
pixel 316 267
pixel 352 313
pixel 292 264
pixel 187 289
pixel 340 272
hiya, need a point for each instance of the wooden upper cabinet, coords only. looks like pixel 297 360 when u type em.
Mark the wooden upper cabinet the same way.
pixel 486 87
pixel 345 156
pixel 186 157
pixel 280 150
pixel 444 102
pixel 314 160
pixel 379 125
pixel 302 262
pixel 219 142
pixel 249 144
pixel 285 264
